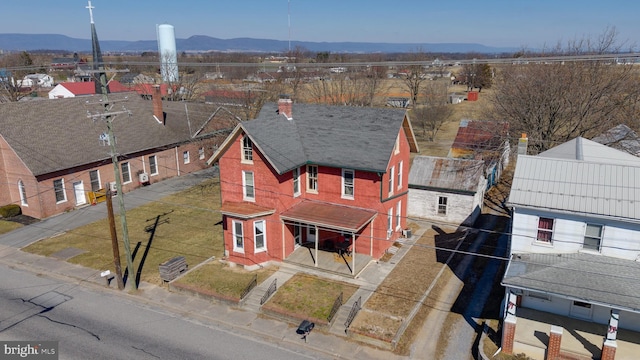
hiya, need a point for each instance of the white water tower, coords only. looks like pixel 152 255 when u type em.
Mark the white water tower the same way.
pixel 167 53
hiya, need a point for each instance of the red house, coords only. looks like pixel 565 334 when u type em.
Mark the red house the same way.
pixel 330 178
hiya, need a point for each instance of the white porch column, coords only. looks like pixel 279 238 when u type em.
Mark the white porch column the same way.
pixel 315 260
pixel 353 253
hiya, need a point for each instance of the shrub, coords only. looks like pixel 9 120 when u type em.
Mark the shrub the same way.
pixel 10 210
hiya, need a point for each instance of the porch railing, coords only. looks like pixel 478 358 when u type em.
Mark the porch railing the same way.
pixel 249 287
pixel 335 308
pixel 352 314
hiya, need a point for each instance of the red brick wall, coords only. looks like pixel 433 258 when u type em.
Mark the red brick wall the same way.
pixel 608 351
pixel 555 339
pixel 508 335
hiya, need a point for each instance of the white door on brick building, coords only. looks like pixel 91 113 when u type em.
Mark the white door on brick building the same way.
pixel 78 190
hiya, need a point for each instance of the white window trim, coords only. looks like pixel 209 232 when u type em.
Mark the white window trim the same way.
pixel 396 147
pixel 398 215
pixel 389 222
pixel 353 184
pixel 296 180
pixel 243 158
pixel 155 160
pixel 99 180
pixel 264 236
pixel 201 153
pixel 597 251
pixel 235 242
pixel 446 205
pixel 309 189
pixel 128 172
pixel 64 193
pixel 392 178
pixel 23 193
pixel 399 185
pixel 186 157
pixel 244 186
pixel 553 229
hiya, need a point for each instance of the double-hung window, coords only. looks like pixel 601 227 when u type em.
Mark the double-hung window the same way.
pixel 248 187
pixel 259 236
pixel 392 175
pixel 153 165
pixel 348 183
pixel 185 157
pixel 247 150
pixel 312 178
pixel 398 215
pixel 201 153
pixel 58 188
pixel 399 175
pixel 126 172
pixel 592 237
pixel 94 178
pixel 296 181
pixel 238 236
pixel 442 205
pixel 390 222
pixel 23 193
pixel 545 230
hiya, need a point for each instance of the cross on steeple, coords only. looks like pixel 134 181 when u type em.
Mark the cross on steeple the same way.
pixel 90 10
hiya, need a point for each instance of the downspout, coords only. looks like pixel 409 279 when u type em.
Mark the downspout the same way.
pixel 283 240
pixel 177 162
pixel 144 167
pixel 371 239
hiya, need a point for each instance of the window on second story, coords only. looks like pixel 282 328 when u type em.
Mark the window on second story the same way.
pixel 312 178
pixel 58 188
pixel 126 172
pixel 442 205
pixel 296 181
pixel 247 149
pixel 392 176
pixel 592 237
pixel 23 193
pixel 348 181
pixel 399 175
pixel 545 230
pixel 248 186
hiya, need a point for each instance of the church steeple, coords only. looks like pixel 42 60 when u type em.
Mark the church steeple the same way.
pixel 98 64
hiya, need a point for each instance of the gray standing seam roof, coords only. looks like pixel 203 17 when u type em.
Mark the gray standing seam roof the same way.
pixel 339 136
pixel 581 276
pixel 55 135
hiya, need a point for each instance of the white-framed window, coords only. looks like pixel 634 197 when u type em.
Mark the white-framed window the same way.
pixel 296 181
pixel 312 178
pixel 442 205
pixel 248 187
pixel 94 178
pixel 201 153
pixel 23 193
pixel 185 157
pixel 389 222
pixel 396 147
pixel 348 183
pixel 398 215
pixel 592 237
pixel 238 236
pixel 126 172
pixel 153 165
pixel 545 230
pixel 260 236
pixel 58 188
pixel 399 175
pixel 392 176
pixel 247 149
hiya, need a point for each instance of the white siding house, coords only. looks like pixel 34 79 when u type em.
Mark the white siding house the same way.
pixel 575 242
pixel 446 190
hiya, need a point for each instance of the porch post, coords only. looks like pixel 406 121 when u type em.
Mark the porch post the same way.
pixel 371 238
pixel 283 240
pixel 315 260
pixel 353 254
pixel 610 344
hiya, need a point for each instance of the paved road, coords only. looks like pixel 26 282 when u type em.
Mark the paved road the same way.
pixel 91 323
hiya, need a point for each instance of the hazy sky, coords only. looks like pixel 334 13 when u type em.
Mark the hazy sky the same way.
pixel 512 23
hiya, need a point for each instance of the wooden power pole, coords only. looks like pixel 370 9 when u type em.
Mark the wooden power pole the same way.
pixel 114 239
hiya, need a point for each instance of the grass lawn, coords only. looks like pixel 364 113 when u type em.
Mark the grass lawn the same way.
pixel 189 226
pixel 7 226
pixel 309 296
pixel 222 279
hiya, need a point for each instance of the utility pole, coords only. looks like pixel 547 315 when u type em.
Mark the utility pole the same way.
pixel 114 239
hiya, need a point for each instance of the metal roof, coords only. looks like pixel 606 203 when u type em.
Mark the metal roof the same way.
pixel 329 216
pixel 608 185
pixel 446 173
pixel 339 136
pixel 580 276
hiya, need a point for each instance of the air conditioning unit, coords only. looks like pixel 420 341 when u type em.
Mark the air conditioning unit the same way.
pixel 143 177
pixel 113 187
pixel 406 233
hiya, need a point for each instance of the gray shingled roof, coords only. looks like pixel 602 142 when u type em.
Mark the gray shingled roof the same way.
pixel 620 137
pixel 431 172
pixel 339 136
pixel 608 185
pixel 580 276
pixel 55 135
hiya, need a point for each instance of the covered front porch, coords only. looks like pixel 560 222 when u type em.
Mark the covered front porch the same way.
pixel 330 237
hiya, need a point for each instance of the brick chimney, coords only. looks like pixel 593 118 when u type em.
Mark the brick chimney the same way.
pixel 158 113
pixel 285 106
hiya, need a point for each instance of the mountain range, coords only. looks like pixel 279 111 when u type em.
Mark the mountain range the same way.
pixel 201 43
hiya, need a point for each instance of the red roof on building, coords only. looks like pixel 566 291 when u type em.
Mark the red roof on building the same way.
pixel 89 87
pixel 481 135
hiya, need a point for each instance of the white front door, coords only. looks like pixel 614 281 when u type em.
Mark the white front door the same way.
pixel 78 189
pixel 311 234
pixel 581 310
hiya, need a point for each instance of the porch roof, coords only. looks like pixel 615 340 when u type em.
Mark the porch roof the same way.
pixel 330 216
pixel 591 278
pixel 244 210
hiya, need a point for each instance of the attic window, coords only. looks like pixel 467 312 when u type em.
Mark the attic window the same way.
pixel 247 150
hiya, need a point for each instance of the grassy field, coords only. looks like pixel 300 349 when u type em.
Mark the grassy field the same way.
pixel 7 226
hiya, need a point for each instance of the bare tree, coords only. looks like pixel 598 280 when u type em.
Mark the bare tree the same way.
pixel 414 75
pixel 556 102
pixel 14 67
pixel 476 76
pixel 436 110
